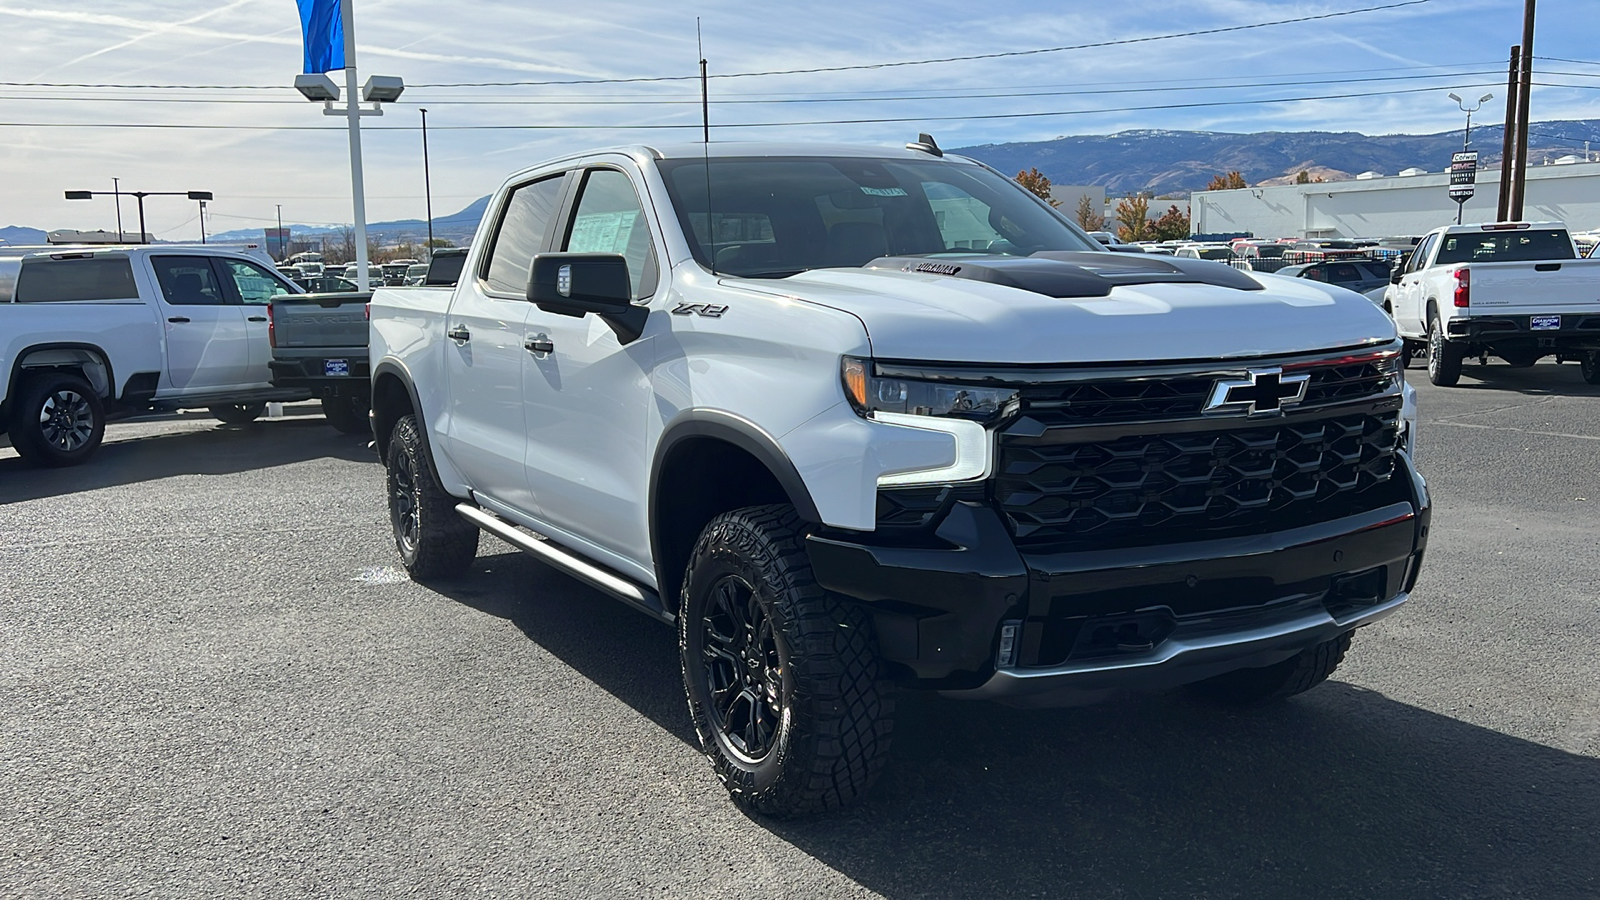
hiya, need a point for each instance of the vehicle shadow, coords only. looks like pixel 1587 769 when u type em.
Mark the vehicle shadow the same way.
pixel 1544 380
pixel 217 450
pixel 1341 792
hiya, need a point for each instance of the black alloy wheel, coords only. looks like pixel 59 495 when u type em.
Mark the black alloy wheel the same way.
pixel 1589 365
pixel 433 540
pixel 59 420
pixel 743 670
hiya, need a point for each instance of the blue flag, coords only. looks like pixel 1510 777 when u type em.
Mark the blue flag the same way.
pixel 323 25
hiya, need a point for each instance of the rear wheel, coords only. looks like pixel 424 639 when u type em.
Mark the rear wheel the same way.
pixel 433 540
pixel 1295 675
pixel 347 414
pixel 238 413
pixel 1444 358
pixel 59 420
pixel 1590 366
pixel 782 677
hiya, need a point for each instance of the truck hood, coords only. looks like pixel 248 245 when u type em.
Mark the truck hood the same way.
pixel 923 316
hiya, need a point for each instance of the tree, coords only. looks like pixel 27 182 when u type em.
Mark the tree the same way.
pixel 339 247
pixel 1303 178
pixel 1232 181
pixel 1133 214
pixel 1089 217
pixel 1173 225
pixel 440 242
pixel 1038 183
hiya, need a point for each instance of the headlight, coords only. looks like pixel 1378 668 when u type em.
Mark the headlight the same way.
pixel 960 411
pixel 870 394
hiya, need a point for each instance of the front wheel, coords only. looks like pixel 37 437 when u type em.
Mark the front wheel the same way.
pixel 59 420
pixel 1444 358
pixel 238 413
pixel 433 540
pixel 1295 675
pixel 782 677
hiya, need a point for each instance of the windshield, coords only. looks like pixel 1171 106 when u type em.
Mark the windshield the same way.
pixel 1214 253
pixel 774 217
pixel 1505 246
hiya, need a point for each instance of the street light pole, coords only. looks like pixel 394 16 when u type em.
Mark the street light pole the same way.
pixel 282 250
pixel 353 110
pixel 427 184
pixel 202 221
pixel 202 196
pixel 1466 139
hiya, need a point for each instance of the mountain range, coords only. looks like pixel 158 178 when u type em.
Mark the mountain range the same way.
pixel 1161 162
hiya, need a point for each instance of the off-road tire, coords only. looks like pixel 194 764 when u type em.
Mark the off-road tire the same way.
pixel 58 420
pixel 238 413
pixel 1444 358
pixel 347 414
pixel 433 540
pixel 812 653
pixel 1589 365
pixel 1296 675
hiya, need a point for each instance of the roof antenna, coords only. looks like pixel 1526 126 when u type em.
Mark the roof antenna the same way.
pixel 926 144
pixel 705 145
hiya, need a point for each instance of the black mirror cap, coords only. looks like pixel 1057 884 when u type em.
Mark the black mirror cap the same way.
pixel 574 284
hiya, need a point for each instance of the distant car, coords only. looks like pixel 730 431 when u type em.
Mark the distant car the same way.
pixel 1356 275
pixel 1264 257
pixel 328 284
pixel 1215 252
pixel 416 273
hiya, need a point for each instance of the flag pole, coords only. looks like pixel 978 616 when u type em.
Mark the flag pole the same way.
pixel 353 109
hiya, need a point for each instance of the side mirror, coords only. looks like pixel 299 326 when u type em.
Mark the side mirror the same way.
pixel 576 284
pixel 1399 270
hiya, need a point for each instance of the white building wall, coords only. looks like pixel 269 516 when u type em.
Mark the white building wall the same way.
pixel 1382 207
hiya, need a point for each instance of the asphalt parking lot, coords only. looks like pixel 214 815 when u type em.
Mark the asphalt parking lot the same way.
pixel 216 681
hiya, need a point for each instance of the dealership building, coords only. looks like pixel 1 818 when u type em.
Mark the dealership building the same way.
pixel 1411 203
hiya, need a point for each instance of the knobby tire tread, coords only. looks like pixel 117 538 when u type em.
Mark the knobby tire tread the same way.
pixel 446 543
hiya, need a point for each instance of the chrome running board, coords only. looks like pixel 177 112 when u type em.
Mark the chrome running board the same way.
pixel 636 596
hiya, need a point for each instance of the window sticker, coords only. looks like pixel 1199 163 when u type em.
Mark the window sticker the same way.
pixel 884 192
pixel 602 232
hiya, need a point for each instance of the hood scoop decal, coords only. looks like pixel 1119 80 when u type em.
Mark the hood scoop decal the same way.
pixel 1072 275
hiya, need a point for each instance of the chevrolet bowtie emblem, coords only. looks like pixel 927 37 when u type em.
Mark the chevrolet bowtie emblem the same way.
pixel 1266 392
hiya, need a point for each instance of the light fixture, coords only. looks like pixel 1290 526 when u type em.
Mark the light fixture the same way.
pixel 317 87
pixel 382 89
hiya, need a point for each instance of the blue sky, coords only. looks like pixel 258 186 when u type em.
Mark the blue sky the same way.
pixel 1429 48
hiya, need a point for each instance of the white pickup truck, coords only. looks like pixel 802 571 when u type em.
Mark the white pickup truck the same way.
pixel 1516 290
pixel 91 331
pixel 855 418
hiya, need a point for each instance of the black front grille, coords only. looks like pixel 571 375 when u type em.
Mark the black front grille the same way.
pixel 1169 398
pixel 1150 488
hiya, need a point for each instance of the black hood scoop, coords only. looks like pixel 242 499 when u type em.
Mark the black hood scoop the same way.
pixel 1072 274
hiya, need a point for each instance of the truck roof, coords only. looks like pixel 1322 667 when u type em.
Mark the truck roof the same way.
pixel 754 148
pixel 1499 226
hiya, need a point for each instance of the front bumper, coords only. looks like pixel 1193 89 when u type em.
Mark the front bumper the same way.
pixel 1081 623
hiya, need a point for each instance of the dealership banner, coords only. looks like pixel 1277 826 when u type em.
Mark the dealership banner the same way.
pixel 322 23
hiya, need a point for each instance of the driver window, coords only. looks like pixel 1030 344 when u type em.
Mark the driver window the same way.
pixel 256 287
pixel 609 219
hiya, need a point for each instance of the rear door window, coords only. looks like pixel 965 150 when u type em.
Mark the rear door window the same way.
pixel 188 281
pixel 524 228
pixel 256 285
pixel 68 280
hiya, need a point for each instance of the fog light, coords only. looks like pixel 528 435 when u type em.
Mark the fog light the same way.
pixel 1007 656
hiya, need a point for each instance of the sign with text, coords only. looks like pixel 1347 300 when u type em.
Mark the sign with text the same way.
pixel 1462 193
pixel 1464 167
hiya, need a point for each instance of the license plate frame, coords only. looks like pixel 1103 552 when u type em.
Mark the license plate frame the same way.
pixel 1544 323
pixel 336 368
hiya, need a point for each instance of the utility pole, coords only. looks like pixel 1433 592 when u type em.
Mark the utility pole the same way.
pixel 427 183
pixel 202 221
pixel 358 186
pixel 1509 139
pixel 283 251
pixel 1519 174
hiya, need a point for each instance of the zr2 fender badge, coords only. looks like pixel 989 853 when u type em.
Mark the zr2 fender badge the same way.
pixel 709 310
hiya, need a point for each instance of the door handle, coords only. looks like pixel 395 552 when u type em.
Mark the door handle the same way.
pixel 459 333
pixel 178 319
pixel 256 319
pixel 540 344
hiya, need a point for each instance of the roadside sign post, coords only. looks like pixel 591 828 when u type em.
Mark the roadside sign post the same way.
pixel 1463 178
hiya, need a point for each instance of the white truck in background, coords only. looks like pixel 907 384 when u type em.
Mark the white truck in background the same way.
pixel 86 332
pixel 1516 290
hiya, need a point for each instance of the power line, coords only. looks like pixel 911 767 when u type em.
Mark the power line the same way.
pixel 946 59
pixel 663 126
